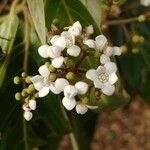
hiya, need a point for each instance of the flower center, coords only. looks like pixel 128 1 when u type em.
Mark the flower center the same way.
pixel 69 42
pixel 103 77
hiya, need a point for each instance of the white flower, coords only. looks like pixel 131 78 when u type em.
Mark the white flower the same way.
pixel 28 115
pixel 32 104
pixel 70 91
pixel 41 82
pixel 83 108
pixel 81 87
pixel 145 3
pixel 99 44
pixel 74 51
pixel 104 77
pixel 69 103
pixel 42 51
pixel 75 29
pixel 89 29
pixel 112 51
pixel 58 86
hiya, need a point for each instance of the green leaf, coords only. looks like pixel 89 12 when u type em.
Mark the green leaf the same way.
pixel 94 8
pixel 7 30
pixel 36 8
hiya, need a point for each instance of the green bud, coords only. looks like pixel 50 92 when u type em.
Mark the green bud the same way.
pixel 124 49
pixel 51 68
pixel 18 96
pixel 70 76
pixel 47 64
pixel 24 93
pixel 141 18
pixel 27 80
pixel 28 91
pixel 135 38
pixel 70 63
pixel 23 74
pixel 97 54
pixel 52 77
pixel 142 39
pixel 17 80
pixel 31 88
pixel 36 95
pixel 135 50
pixel 56 21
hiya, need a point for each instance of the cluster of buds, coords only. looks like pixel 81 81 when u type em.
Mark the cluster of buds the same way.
pixel 63 71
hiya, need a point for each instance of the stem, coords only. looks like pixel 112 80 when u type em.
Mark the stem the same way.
pixel 125 21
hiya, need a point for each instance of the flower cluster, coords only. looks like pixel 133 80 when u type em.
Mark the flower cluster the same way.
pixel 64 54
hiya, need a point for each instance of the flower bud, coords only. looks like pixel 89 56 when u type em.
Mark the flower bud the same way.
pixel 136 38
pixel 124 49
pixel 56 21
pixel 27 80
pixel 18 96
pixel 23 74
pixel 47 64
pixel 135 50
pixel 70 76
pixel 69 63
pixel 32 104
pixel 52 77
pixel 85 100
pixel 141 39
pixel 28 115
pixel 17 80
pixel 51 68
pixel 24 93
pixel 141 18
pixel 31 88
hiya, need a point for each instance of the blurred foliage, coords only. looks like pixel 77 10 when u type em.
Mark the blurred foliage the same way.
pixel 50 121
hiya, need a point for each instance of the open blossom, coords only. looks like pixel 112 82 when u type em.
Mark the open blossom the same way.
pixel 99 44
pixel 70 91
pixel 104 77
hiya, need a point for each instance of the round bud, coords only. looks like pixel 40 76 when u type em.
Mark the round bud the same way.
pixel 27 91
pixel 70 63
pixel 23 74
pixel 24 93
pixel 70 76
pixel 28 80
pixel 17 80
pixel 56 21
pixel 52 77
pixel 141 18
pixel 47 64
pixel 97 54
pixel 142 39
pixel 124 49
pixel 31 88
pixel 51 68
pixel 135 38
pixel 135 50
pixel 18 96
pixel 36 95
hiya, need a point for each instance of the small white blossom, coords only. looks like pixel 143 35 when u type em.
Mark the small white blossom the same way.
pixel 41 82
pixel 83 108
pixel 81 87
pixel 104 77
pixel 75 29
pixel 32 104
pixel 42 51
pixel 28 115
pixel 145 3
pixel 58 86
pixel 99 44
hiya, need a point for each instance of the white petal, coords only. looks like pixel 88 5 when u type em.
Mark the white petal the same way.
pixel 145 3
pixel 54 38
pixel 60 84
pixel 32 104
pixel 82 87
pixel 92 107
pixel 108 89
pixel 42 51
pixel 70 91
pixel 75 31
pixel 104 59
pixel 101 69
pixel 38 86
pixel 26 108
pixel 28 115
pixel 57 62
pixel 54 89
pixel 92 74
pixel 44 71
pixel 60 42
pixel 113 78
pixel 68 103
pixel 44 91
pixel 110 67
pixel 74 50
pixel 54 51
pixel 98 84
pixel 78 25
pixel 109 51
pixel 117 51
pixel 101 42
pixel 90 43
pixel 90 29
pixel 81 109
pixel 36 79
